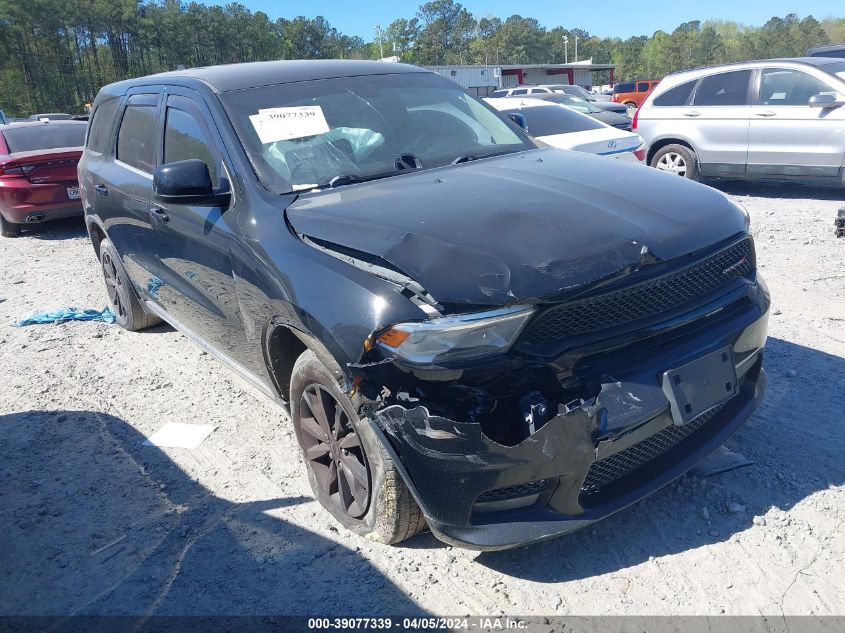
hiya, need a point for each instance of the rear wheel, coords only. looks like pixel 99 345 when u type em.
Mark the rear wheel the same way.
pixel 351 474
pixel 676 159
pixel 632 108
pixel 9 229
pixel 128 311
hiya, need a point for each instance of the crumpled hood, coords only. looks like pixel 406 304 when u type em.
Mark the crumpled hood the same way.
pixel 527 226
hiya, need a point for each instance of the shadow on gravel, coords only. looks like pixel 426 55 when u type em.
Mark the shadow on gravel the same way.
pixel 96 523
pixel 64 229
pixel 795 440
pixel 780 189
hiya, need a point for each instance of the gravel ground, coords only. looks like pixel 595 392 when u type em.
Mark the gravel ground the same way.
pixel 96 523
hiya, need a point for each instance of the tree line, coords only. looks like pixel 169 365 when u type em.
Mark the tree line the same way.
pixel 56 54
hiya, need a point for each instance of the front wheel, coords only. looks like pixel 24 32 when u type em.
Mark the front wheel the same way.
pixel 676 159
pixel 350 473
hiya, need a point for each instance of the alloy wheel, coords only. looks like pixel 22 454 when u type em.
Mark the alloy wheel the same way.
pixel 114 285
pixel 673 163
pixel 333 451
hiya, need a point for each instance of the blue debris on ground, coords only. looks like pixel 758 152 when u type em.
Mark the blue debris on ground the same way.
pixel 153 284
pixel 105 315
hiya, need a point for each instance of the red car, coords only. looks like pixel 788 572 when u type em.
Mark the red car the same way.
pixel 38 172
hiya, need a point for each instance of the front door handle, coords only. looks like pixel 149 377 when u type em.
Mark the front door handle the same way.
pixel 158 215
pixel 101 189
pixel 692 113
pixel 765 113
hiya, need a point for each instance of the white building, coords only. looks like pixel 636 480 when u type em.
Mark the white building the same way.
pixel 482 80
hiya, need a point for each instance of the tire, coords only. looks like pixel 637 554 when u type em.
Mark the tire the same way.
pixel 9 229
pixel 390 515
pixel 677 159
pixel 632 107
pixel 128 311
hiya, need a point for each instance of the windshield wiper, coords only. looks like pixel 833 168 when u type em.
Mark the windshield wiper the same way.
pixel 351 179
pixel 403 163
pixel 346 179
pixel 469 157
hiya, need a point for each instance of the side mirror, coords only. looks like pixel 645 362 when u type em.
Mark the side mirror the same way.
pixel 825 100
pixel 184 182
pixel 519 119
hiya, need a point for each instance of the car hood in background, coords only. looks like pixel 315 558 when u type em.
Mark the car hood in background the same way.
pixel 532 226
pixel 613 119
pixel 610 106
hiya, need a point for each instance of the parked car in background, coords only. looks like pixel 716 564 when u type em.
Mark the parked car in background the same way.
pixel 559 126
pixel 52 116
pixel 38 181
pixel 499 341
pixel 613 119
pixel 833 50
pixel 586 95
pixel 631 94
pixel 779 118
pixel 575 91
pixel 522 90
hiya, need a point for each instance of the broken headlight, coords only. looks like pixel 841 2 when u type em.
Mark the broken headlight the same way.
pixel 456 337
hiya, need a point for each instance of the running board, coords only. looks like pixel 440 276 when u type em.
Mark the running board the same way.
pixel 248 380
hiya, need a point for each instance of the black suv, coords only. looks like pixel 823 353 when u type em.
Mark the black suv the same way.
pixel 473 333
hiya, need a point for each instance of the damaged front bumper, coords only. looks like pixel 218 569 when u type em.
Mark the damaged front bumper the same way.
pixel 592 458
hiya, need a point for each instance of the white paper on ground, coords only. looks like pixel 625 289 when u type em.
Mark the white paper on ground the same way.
pixel 177 435
pixel 282 124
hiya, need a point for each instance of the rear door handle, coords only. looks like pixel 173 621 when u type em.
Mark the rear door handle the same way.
pixel 159 215
pixel 765 113
pixel 101 189
pixel 693 113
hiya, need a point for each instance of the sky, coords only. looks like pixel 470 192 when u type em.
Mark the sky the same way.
pixel 605 18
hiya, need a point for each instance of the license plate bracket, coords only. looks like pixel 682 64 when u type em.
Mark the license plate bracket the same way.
pixel 700 385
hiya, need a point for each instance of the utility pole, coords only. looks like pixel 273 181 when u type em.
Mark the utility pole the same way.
pixel 380 45
pixel 576 48
pixel 565 49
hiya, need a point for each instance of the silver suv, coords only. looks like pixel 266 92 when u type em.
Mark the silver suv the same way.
pixel 781 118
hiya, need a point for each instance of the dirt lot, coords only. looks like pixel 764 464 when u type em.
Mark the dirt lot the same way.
pixel 96 523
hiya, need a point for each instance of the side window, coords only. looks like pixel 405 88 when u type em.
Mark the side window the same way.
pixel 787 87
pixel 677 96
pixel 724 89
pixel 642 86
pixel 521 91
pixel 99 129
pixel 184 138
pixel 137 134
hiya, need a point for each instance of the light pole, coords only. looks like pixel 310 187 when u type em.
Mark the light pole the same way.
pixel 576 48
pixel 380 45
pixel 565 49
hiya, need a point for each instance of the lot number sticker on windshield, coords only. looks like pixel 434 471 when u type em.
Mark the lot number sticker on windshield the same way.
pixel 282 124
